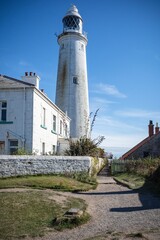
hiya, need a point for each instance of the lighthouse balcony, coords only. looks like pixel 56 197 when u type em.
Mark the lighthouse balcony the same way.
pixel 73 32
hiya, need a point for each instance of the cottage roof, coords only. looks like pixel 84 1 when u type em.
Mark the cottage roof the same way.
pixel 140 144
pixel 9 82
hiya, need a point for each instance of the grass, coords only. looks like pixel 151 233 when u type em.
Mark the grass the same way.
pixel 31 213
pixel 44 182
pixel 24 214
pixel 71 222
pixel 133 181
pixel 117 236
pixel 75 221
pixel 143 173
pixel 135 235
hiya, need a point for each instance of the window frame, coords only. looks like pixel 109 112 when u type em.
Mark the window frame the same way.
pixel 13 147
pixel 43 117
pixel 53 149
pixel 43 148
pixel 54 123
pixel 66 130
pixel 61 128
pixel 75 80
pixel 3 111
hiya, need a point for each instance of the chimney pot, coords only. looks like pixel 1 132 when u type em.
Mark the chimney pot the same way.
pixel 31 77
pixel 156 128
pixel 151 128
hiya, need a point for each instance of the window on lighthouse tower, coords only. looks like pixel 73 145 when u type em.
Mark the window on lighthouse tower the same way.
pixel 71 22
pixel 75 80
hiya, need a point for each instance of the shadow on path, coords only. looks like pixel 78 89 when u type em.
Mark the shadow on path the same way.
pixel 147 199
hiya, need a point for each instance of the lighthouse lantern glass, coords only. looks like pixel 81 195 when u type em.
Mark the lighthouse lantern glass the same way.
pixel 71 22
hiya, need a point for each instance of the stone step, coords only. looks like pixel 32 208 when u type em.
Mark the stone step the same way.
pixel 105 171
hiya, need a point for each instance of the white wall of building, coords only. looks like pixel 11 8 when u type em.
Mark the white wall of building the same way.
pixel 24 121
pixel 18 110
pixel 44 135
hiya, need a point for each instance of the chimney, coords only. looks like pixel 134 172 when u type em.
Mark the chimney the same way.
pixel 151 128
pixel 156 129
pixel 32 78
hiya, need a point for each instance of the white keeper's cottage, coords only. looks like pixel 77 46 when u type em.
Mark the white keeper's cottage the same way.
pixel 29 119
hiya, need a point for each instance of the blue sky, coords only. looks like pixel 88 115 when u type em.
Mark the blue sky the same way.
pixel 123 59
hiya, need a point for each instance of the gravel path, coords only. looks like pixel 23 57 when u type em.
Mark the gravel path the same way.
pixel 115 209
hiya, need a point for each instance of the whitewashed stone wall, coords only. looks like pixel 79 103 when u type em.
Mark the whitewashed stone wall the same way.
pixel 32 165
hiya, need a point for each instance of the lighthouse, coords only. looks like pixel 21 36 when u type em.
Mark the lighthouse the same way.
pixel 72 82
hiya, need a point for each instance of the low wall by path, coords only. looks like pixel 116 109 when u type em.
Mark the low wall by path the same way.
pixel 15 165
pixel 31 165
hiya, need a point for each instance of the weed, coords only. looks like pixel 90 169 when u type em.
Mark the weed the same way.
pixel 135 235
pixel 70 223
pixel 22 151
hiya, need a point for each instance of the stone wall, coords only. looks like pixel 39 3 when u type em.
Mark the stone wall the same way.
pixel 31 165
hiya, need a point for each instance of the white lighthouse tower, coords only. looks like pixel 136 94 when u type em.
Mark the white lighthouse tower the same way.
pixel 72 82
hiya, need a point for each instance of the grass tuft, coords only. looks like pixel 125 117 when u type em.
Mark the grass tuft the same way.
pixel 136 235
pixel 70 223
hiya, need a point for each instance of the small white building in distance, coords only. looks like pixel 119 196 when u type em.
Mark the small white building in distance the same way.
pixel 29 120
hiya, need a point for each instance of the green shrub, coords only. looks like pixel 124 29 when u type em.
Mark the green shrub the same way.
pixel 22 151
pixel 144 167
pixel 85 147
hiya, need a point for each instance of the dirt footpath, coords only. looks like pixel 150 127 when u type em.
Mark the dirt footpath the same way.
pixel 117 213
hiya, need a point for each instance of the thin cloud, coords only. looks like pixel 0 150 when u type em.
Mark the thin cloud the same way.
pixel 23 63
pixel 111 90
pixel 125 140
pixel 138 113
pixel 111 124
pixel 103 101
pixel 116 139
